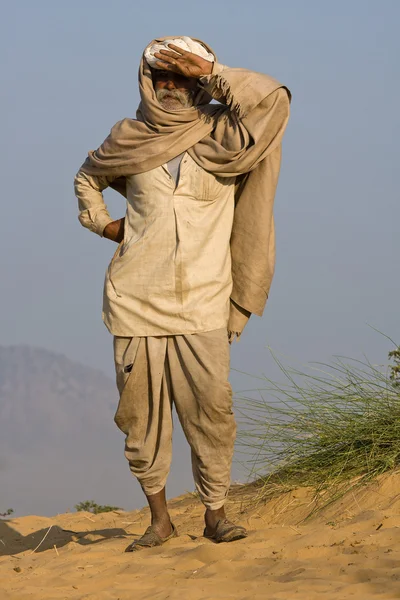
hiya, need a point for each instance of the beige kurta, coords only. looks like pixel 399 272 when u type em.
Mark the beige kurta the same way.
pixel 172 273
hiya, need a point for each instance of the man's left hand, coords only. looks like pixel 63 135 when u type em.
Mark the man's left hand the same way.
pixel 183 62
pixel 115 230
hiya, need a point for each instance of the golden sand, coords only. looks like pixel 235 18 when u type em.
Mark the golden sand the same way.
pixel 351 550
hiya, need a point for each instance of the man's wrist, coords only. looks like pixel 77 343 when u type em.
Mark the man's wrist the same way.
pixel 216 68
pixel 208 69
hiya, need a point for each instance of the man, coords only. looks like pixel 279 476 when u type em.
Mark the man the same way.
pixel 195 258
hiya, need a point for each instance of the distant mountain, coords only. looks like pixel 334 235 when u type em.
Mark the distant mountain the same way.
pixel 47 400
pixel 59 444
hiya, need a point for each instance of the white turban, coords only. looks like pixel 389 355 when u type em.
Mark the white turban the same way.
pixel 186 43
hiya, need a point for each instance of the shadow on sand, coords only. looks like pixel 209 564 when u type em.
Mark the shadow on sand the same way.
pixel 12 542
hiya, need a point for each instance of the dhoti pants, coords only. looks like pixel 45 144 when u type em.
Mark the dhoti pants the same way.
pixel 191 372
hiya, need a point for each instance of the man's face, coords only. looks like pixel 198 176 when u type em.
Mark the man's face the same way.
pixel 174 91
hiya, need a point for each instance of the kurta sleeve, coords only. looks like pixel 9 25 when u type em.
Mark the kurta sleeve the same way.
pixel 93 213
pixel 242 90
pixel 238 319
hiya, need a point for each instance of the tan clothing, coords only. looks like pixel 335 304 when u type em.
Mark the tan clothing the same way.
pixel 172 273
pixel 174 167
pixel 233 152
pixel 239 137
pixel 191 372
pixel 160 283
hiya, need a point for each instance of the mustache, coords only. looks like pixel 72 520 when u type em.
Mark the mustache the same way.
pixel 185 98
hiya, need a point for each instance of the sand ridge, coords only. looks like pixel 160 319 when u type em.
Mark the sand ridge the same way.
pixel 349 550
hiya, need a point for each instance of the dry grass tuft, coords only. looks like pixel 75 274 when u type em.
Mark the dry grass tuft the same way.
pixel 333 429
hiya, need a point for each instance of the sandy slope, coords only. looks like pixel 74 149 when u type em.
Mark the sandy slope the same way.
pixel 352 550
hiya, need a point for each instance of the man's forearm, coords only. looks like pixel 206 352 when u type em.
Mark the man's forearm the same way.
pixel 115 230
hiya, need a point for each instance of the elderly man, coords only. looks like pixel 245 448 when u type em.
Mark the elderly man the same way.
pixel 195 258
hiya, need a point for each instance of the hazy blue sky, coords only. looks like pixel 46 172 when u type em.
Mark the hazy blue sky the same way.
pixel 70 73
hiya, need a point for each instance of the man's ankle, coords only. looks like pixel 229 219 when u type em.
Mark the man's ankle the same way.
pixel 212 517
pixel 162 525
pixel 160 519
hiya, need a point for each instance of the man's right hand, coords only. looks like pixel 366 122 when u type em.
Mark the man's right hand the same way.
pixel 115 230
pixel 183 62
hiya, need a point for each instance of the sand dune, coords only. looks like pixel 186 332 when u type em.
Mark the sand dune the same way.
pixel 349 551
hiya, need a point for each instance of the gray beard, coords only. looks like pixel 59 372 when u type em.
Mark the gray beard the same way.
pixel 174 99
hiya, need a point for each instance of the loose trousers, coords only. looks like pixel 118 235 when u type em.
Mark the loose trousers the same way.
pixel 191 372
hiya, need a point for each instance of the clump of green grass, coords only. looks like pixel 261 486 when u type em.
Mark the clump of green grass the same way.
pixel 93 507
pixel 332 429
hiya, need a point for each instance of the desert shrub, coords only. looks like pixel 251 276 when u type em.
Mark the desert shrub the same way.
pixel 91 506
pixel 331 428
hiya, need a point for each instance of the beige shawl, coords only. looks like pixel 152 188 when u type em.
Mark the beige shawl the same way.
pixel 239 138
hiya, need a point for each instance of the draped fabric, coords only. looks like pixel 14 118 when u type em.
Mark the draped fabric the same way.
pixel 239 137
